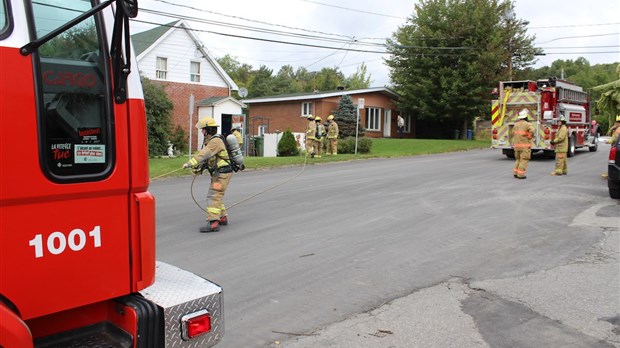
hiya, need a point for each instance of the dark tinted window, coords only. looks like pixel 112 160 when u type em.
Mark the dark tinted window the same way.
pixel 75 113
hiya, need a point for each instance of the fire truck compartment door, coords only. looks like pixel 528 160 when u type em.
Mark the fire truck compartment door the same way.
pixel 573 113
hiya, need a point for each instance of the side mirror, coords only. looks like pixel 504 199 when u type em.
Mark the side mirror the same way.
pixel 130 7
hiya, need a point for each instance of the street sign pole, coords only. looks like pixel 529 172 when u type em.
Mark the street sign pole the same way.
pixel 360 105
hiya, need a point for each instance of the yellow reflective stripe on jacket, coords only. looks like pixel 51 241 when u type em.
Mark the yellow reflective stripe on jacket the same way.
pixel 223 159
pixel 193 161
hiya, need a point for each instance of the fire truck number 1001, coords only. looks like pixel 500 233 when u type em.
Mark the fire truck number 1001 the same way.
pixel 57 242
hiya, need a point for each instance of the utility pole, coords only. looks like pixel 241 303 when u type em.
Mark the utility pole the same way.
pixel 191 113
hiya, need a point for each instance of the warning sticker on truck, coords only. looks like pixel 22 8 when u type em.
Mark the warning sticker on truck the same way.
pixel 89 153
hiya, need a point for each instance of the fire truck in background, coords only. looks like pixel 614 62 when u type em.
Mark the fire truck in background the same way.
pixel 77 223
pixel 546 101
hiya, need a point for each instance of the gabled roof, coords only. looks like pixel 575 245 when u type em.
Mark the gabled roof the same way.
pixel 320 95
pixel 146 40
pixel 214 101
pixel 142 41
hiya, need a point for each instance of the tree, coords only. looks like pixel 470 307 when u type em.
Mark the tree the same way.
pixel 242 74
pixel 359 80
pixel 450 54
pixel 346 117
pixel 285 81
pixel 609 100
pixel 158 120
pixel 262 84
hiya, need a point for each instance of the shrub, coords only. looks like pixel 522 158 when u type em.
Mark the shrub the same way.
pixel 287 146
pixel 179 139
pixel 347 145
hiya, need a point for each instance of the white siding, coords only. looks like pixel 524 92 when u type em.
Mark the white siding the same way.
pixel 180 50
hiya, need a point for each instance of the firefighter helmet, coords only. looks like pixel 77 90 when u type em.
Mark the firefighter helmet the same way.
pixel 330 117
pixel 310 117
pixel 618 118
pixel 562 119
pixel 206 122
pixel 318 119
pixel 523 114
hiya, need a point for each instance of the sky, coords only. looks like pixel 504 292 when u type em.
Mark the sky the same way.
pixel 564 29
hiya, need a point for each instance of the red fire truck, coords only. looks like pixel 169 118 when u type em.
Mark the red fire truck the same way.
pixel 77 223
pixel 546 101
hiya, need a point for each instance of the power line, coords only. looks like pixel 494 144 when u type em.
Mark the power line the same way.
pixel 578 37
pixel 352 9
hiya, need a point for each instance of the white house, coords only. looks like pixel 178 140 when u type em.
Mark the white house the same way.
pixel 173 56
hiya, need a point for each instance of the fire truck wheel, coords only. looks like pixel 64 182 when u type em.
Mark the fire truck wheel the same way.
pixel 593 148
pixel 571 146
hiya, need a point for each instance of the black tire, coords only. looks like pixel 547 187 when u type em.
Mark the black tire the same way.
pixel 614 189
pixel 510 154
pixel 571 146
pixel 593 148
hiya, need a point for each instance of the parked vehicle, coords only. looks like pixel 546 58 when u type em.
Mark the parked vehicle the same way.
pixel 77 222
pixel 546 101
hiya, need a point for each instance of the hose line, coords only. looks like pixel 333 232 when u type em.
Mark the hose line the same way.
pixel 252 196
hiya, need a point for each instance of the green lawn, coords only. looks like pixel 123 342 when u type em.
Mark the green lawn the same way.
pixel 167 167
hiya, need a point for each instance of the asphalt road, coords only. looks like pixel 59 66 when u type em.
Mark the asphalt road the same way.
pixel 446 247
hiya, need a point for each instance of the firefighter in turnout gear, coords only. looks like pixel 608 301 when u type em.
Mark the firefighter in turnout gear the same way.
pixel 332 136
pixel 320 133
pixel 213 157
pixel 561 149
pixel 522 143
pixel 310 136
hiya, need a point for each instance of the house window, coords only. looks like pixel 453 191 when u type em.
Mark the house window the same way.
pixel 161 71
pixel 306 109
pixel 194 72
pixel 373 118
pixel 262 129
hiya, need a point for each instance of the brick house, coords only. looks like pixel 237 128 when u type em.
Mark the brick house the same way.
pixel 173 56
pixel 277 113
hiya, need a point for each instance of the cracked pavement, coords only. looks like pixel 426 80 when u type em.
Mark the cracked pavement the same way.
pixel 576 304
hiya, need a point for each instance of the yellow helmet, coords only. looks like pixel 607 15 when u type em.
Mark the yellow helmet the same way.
pixel 310 117
pixel 206 122
pixel 618 118
pixel 330 117
pixel 317 118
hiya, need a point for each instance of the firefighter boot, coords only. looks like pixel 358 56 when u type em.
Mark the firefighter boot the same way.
pixel 213 226
pixel 224 220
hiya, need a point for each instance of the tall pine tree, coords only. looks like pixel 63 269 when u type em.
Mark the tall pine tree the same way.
pixel 346 117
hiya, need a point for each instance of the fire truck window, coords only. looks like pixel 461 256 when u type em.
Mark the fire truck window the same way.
pixel 4 19
pixel 74 110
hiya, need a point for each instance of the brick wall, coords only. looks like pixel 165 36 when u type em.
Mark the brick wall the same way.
pixel 282 115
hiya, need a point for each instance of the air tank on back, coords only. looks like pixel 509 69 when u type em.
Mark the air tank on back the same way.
pixel 235 152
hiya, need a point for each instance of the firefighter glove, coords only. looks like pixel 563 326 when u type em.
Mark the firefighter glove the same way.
pixel 191 163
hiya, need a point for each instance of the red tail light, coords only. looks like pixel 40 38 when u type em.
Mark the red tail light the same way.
pixel 195 324
pixel 612 154
pixel 547 130
pixel 494 130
